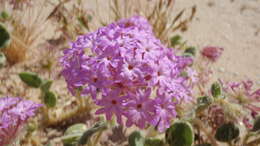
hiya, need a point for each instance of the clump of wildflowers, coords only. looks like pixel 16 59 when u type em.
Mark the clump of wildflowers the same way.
pixel 14 113
pixel 128 72
pixel 244 94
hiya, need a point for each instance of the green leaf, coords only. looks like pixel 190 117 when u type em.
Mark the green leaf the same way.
pixel 256 126
pixel 190 51
pixel 31 79
pixel 4 15
pixel 71 140
pixel 216 90
pixel 76 128
pixel 187 55
pixel 87 134
pixel 50 99
pixel 73 134
pixel 89 17
pixel 227 132
pixel 175 40
pixel 4 36
pixel 46 85
pixel 180 134
pixel 153 142
pixel 48 144
pixel 136 139
pixel 2 60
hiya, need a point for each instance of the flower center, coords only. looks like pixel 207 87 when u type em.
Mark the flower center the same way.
pixel 130 67
pixel 113 102
pixel 119 85
pixel 139 106
pixel 95 80
pixel 162 106
pixel 159 73
pixel 128 24
pixel 148 77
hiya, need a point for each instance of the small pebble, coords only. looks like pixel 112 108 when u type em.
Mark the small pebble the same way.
pixel 211 4
pixel 235 74
pixel 221 69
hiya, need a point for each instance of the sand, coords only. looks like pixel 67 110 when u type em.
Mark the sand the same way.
pixel 235 26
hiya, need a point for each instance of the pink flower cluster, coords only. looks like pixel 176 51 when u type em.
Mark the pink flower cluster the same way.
pixel 245 91
pixel 14 112
pixel 128 72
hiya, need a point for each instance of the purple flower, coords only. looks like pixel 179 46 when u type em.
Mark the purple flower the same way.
pixel 248 122
pixel 24 109
pixel 164 112
pixel 6 103
pixel 111 103
pixel 136 22
pixel 75 68
pixel 256 94
pixel 212 53
pixel 14 113
pixel 123 62
pixel 139 108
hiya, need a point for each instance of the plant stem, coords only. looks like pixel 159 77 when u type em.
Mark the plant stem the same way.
pixel 246 138
pixel 97 137
pixel 230 143
pixel 199 123
pixel 255 142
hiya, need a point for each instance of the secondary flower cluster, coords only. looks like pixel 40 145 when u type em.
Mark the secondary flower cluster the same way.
pixel 128 72
pixel 14 112
pixel 243 93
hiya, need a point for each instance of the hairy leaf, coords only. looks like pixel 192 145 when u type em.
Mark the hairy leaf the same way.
pixel 31 79
pixel 4 36
pixel 227 132
pixel 136 139
pixel 180 134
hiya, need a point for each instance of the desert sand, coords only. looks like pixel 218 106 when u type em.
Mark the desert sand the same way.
pixel 233 25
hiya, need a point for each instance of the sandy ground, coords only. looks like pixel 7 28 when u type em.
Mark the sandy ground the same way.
pixel 235 26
